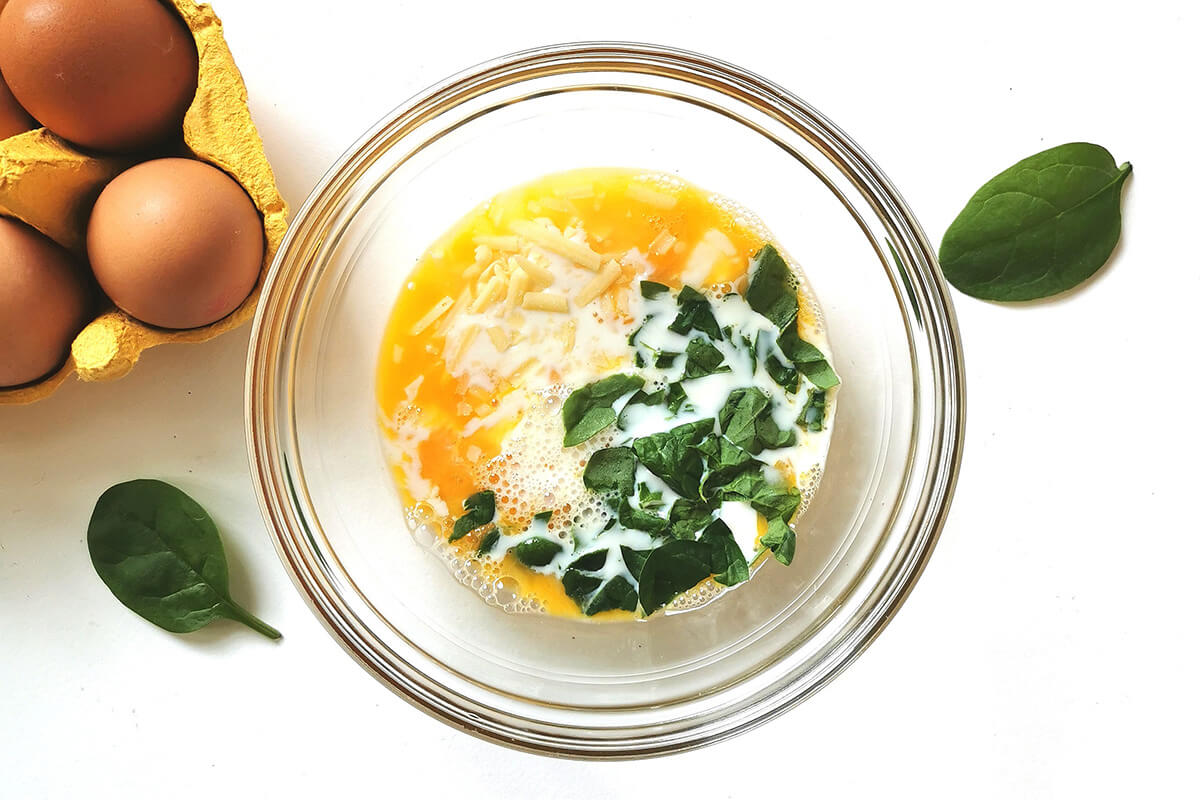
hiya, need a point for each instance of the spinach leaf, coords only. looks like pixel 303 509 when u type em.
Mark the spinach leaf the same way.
pixel 725 460
pixel 739 415
pixel 676 397
pixel 703 359
pixel 671 455
pixel 611 470
pixel 808 359
pixel 769 436
pixel 647 499
pixel 670 570
pixel 634 560
pixel 579 585
pixel 812 415
pixel 688 516
pixel 780 539
pixel 537 551
pixel 639 519
pixel 695 314
pixel 787 377
pixel 772 290
pixel 615 593
pixel 488 542
pixel 651 289
pixel 640 398
pixel 159 553
pixel 666 360
pixel 728 563
pixel 589 408
pixel 770 501
pixel 1040 227
pixel 480 508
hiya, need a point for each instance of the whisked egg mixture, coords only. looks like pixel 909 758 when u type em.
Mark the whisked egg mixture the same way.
pixel 605 393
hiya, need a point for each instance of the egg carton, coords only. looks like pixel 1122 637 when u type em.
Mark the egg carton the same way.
pixel 49 184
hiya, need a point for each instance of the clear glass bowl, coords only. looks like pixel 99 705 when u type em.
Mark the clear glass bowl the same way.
pixel 566 687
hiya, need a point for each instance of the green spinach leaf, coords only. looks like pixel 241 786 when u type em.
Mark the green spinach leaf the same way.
pixel 739 415
pixel 480 508
pixel 639 519
pixel 703 359
pixel 688 516
pixel 160 554
pixel 808 359
pixel 611 470
pixel 812 415
pixel 725 460
pixel 488 542
pixel 728 563
pixel 780 539
pixel 589 409
pixel 676 397
pixel 616 592
pixel 537 551
pixel 770 501
pixel 651 289
pixel 634 560
pixel 695 314
pixel 1040 227
pixel 772 290
pixel 672 456
pixel 670 570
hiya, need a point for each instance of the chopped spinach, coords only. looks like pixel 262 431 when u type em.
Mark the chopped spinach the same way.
pixel 688 516
pixel 634 560
pixel 639 519
pixel 772 290
pixel 480 508
pixel 650 289
pixel 671 455
pixel 648 499
pixel 729 565
pixel 611 470
pixel 780 539
pixel 695 314
pixel 770 501
pixel 589 409
pixel 812 415
pixel 703 359
pixel 488 542
pixel 676 397
pixel 740 414
pixel 537 551
pixel 671 570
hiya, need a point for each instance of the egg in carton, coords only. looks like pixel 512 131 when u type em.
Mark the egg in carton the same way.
pixel 50 185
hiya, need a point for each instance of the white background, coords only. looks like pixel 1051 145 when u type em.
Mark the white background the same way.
pixel 1048 651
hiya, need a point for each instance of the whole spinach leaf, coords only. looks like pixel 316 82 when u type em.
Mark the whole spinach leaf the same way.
pixel 672 456
pixel 670 570
pixel 1040 227
pixel 611 470
pixel 728 563
pixel 480 508
pixel 160 554
pixel 589 409
pixel 780 539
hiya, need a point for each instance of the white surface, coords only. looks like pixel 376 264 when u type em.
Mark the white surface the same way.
pixel 1050 648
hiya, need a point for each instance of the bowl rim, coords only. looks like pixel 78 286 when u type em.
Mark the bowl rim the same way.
pixel 911 252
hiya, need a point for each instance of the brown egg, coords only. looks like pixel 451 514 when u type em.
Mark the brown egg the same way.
pixel 44 302
pixel 176 243
pixel 13 118
pixel 113 75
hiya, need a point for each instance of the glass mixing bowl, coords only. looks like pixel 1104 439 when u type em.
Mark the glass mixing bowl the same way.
pixel 560 686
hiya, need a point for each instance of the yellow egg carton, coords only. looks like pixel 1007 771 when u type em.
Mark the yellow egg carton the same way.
pixel 47 183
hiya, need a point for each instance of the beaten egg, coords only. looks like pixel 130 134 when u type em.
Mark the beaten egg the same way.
pixel 591 368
